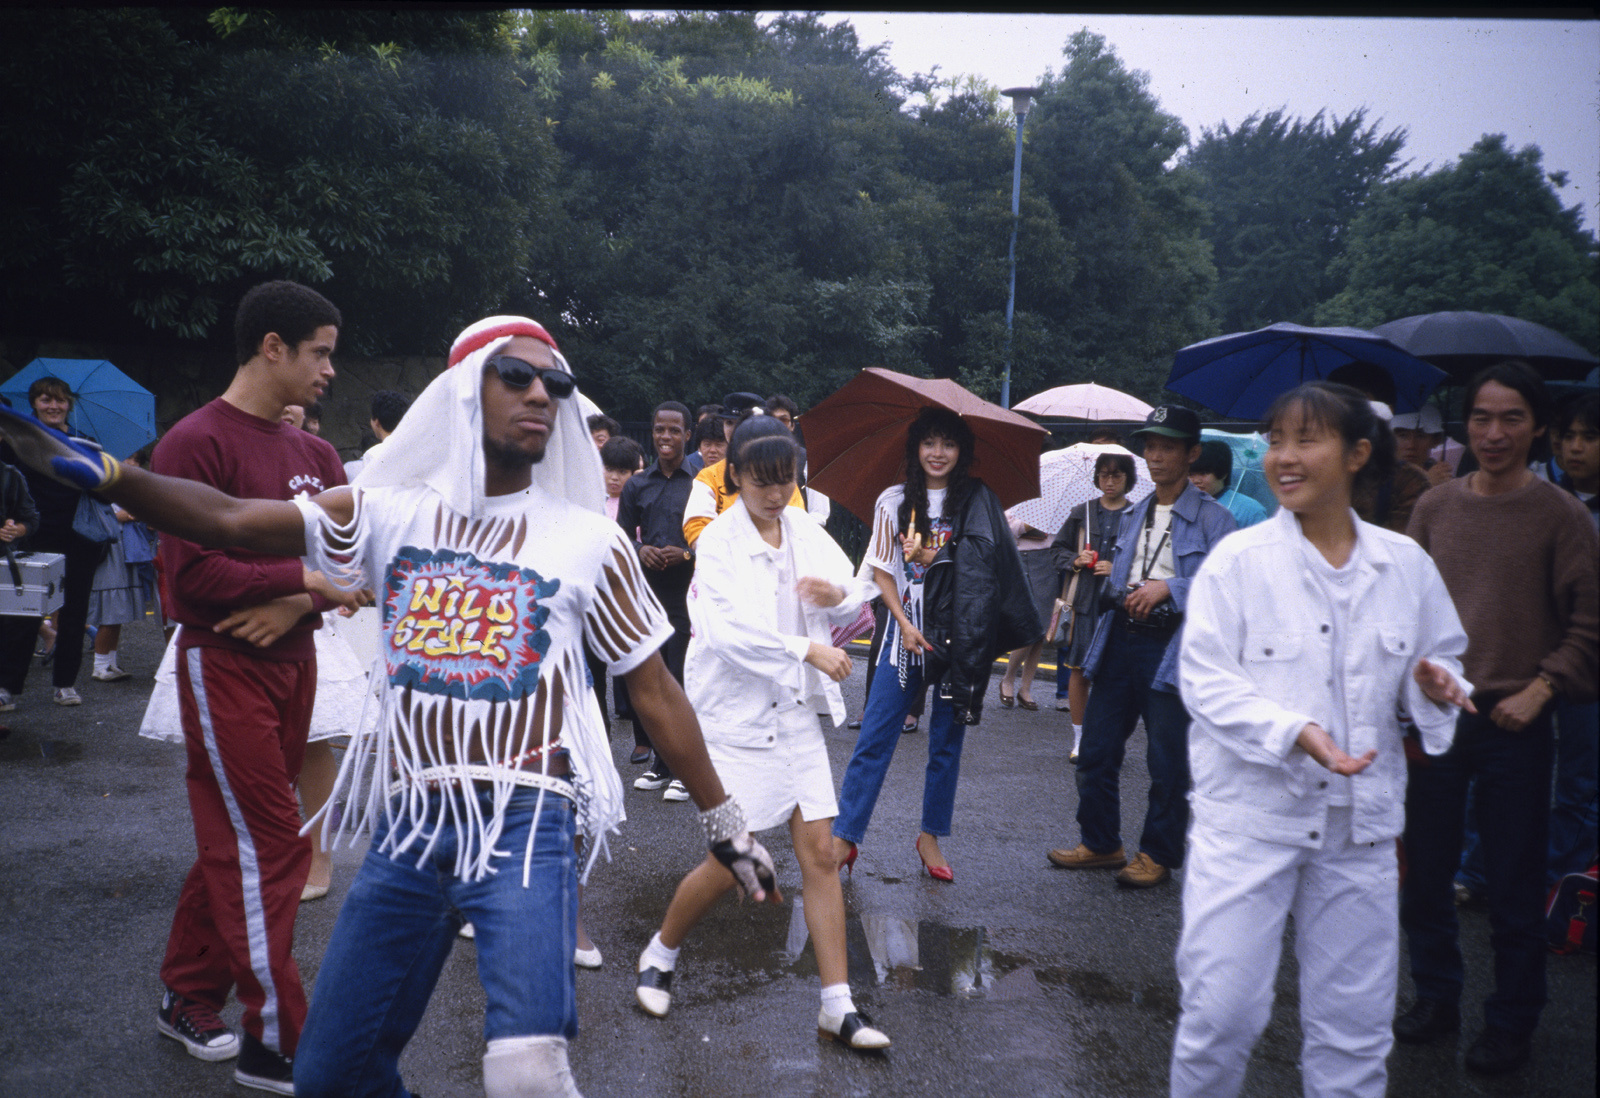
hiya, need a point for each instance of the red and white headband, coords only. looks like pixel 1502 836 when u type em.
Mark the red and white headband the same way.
pixel 495 328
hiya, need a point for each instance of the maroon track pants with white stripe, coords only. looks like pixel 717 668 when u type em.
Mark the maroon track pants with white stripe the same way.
pixel 244 727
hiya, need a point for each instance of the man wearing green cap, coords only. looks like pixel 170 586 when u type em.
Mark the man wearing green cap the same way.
pixel 1133 660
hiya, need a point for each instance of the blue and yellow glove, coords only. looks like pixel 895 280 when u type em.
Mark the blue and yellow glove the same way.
pixel 75 462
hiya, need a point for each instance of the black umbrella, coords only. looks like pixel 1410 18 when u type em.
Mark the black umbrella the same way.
pixel 1462 343
pixel 1242 373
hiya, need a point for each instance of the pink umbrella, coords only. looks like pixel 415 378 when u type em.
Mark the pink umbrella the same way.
pixel 1086 401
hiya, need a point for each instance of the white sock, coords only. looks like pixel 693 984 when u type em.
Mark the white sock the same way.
pixel 836 1000
pixel 659 956
pixel 1077 737
pixel 101 663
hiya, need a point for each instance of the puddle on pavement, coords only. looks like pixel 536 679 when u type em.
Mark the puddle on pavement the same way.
pixel 909 953
pixel 953 960
pixel 16 748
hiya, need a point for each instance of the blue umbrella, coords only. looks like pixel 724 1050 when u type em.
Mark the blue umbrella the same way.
pixel 1249 478
pixel 107 405
pixel 1241 374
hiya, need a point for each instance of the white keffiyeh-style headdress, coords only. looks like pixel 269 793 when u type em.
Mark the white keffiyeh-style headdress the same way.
pixel 439 441
pixel 439 445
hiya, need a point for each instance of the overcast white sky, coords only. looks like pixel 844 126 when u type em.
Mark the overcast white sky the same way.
pixel 1447 81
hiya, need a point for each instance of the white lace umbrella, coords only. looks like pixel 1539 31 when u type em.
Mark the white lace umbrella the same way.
pixel 1067 479
pixel 1086 401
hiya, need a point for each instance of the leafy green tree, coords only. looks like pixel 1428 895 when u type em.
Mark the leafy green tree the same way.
pixel 1488 233
pixel 212 155
pixel 1282 193
pixel 1098 149
pixel 720 223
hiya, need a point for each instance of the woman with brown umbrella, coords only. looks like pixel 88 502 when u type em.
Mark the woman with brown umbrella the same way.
pixel 912 522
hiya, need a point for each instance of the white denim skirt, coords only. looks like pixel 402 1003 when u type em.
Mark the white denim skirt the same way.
pixel 770 782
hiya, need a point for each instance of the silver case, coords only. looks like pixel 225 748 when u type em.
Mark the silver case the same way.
pixel 43 576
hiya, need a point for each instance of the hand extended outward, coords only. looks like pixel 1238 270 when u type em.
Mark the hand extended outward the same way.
pixel 1441 686
pixel 1315 741
pixel 751 867
pixel 75 462
pixel 731 843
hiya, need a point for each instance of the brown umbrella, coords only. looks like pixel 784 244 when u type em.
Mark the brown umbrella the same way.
pixel 856 438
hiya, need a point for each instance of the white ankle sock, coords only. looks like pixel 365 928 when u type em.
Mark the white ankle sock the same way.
pixel 657 955
pixel 836 1000
pixel 101 663
pixel 1077 737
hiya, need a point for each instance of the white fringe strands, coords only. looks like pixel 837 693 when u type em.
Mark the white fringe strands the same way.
pixel 401 769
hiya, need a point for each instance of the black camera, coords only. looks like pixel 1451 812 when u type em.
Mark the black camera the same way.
pixel 1162 620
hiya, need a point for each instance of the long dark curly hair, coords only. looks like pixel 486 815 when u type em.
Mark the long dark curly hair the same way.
pixel 931 423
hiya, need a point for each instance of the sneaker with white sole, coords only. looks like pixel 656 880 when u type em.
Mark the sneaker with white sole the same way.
pixel 588 958
pixel 263 1069
pixel 676 791
pixel 7 702
pixel 651 779
pixel 110 674
pixel 67 696
pixel 197 1027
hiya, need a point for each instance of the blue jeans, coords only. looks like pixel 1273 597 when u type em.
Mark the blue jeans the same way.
pixel 1063 676
pixel 397 927
pixel 1122 693
pixel 1510 772
pixel 887 706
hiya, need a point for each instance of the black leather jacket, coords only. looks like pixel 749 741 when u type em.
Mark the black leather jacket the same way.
pixel 16 503
pixel 976 604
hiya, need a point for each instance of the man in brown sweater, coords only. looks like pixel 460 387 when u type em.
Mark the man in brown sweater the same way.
pixel 1518 557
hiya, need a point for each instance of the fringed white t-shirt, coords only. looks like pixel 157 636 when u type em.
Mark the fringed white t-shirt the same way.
pixel 481 661
pixel 886 553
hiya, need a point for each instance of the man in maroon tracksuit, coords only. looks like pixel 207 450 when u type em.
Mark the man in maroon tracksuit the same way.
pixel 246 681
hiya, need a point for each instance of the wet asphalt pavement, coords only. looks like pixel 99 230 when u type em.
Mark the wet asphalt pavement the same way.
pixel 1018 979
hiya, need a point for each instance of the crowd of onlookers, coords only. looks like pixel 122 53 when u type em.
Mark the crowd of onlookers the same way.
pixel 1396 621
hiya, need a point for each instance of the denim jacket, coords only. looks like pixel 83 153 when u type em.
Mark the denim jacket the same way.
pixel 1198 523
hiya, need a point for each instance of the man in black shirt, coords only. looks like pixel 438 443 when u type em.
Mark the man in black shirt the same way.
pixel 18 518
pixel 651 511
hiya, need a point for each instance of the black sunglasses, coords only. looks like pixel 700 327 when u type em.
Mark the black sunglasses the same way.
pixel 519 375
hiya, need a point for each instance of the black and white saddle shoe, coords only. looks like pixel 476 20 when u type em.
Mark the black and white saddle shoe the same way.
pixel 654 992
pixel 853 1030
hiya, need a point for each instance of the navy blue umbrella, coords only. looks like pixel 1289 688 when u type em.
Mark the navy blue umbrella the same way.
pixel 1241 374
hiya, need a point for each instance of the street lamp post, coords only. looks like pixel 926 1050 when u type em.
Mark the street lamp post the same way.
pixel 1021 99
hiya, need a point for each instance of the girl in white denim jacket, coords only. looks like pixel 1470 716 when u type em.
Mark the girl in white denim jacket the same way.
pixel 1306 638
pixel 769 585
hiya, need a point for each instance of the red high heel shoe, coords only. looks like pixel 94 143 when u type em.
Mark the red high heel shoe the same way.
pixel 937 872
pixel 849 863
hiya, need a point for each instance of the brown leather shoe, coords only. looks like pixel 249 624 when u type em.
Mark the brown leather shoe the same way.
pixel 1143 872
pixel 1081 857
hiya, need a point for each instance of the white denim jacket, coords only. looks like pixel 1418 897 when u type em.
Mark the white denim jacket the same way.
pixel 740 671
pixel 1257 665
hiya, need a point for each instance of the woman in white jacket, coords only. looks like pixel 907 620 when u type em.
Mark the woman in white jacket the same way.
pixel 769 585
pixel 1305 636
